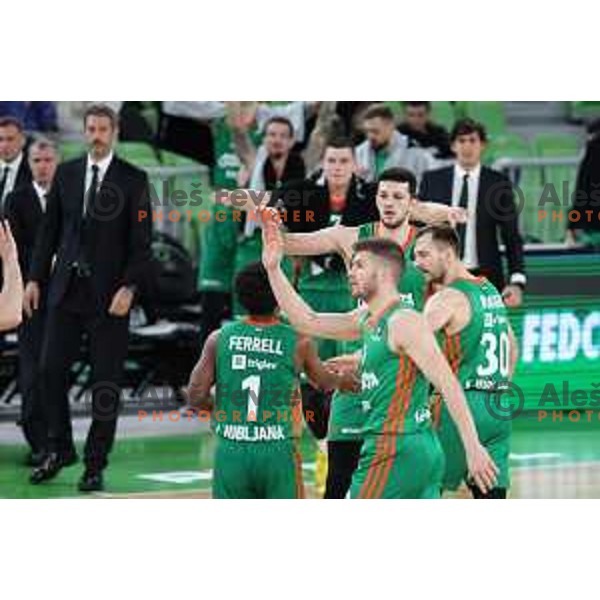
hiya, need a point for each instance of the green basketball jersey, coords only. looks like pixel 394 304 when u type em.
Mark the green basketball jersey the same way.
pixel 227 162
pixel 256 382
pixel 349 411
pixel 413 284
pixel 392 385
pixel 480 353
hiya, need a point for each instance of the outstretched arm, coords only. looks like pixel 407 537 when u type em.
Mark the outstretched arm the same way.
pixel 339 326
pixel 434 213
pixel 11 297
pixel 409 332
pixel 337 239
pixel 308 360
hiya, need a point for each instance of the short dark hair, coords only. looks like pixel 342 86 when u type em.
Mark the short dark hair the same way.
pixel 280 121
pixel 467 127
pixel 383 248
pixel 418 104
pixel 400 175
pixel 253 290
pixel 9 121
pixel 441 234
pixel 340 142
pixel 101 110
pixel 378 111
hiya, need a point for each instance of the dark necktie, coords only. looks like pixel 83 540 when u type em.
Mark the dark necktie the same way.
pixel 90 200
pixel 463 202
pixel 3 184
pixel 86 223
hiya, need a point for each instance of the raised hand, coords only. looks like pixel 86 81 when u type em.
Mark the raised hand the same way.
pixel 271 237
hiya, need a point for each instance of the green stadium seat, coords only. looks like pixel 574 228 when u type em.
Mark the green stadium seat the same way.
pixel 72 149
pixel 507 145
pixel 584 111
pixel 442 113
pixel 555 144
pixel 491 114
pixel 172 159
pixel 138 153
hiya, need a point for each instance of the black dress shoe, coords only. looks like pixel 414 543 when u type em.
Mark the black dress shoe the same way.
pixel 91 481
pixel 35 459
pixel 49 469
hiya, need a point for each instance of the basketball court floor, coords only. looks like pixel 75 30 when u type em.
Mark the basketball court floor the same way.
pixel 173 459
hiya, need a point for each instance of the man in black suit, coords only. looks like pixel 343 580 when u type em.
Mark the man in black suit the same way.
pixel 93 223
pixel 14 169
pixel 489 199
pixel 25 208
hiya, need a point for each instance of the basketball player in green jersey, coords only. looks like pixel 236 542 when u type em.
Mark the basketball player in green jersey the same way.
pixel 396 205
pixel 255 363
pixel 401 455
pixel 480 346
pixel 394 198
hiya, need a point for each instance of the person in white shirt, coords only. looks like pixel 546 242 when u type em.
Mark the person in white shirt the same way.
pixel 488 197
pixel 14 170
pixel 25 208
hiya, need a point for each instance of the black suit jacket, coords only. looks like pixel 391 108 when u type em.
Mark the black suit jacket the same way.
pixel 25 214
pixel 23 178
pixel 119 239
pixel 23 174
pixel 496 212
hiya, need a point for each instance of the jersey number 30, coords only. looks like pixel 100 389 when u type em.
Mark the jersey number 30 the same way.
pixel 497 355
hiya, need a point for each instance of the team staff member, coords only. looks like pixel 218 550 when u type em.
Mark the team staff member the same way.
pixel 25 208
pixel 103 257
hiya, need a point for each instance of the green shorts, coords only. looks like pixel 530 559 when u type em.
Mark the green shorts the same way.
pixel 400 466
pixel 347 417
pixel 493 433
pixel 257 470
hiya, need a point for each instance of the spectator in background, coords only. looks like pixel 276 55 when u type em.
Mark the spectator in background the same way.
pixel 587 196
pixel 14 170
pixel 385 147
pixel 70 115
pixel 25 208
pixel 489 199
pixel 35 116
pixel 350 114
pixel 230 245
pixel 273 162
pixel 422 132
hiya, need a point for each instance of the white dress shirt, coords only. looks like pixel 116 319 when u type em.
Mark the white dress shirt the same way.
pixel 102 168
pixel 13 169
pixel 41 194
pixel 470 257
